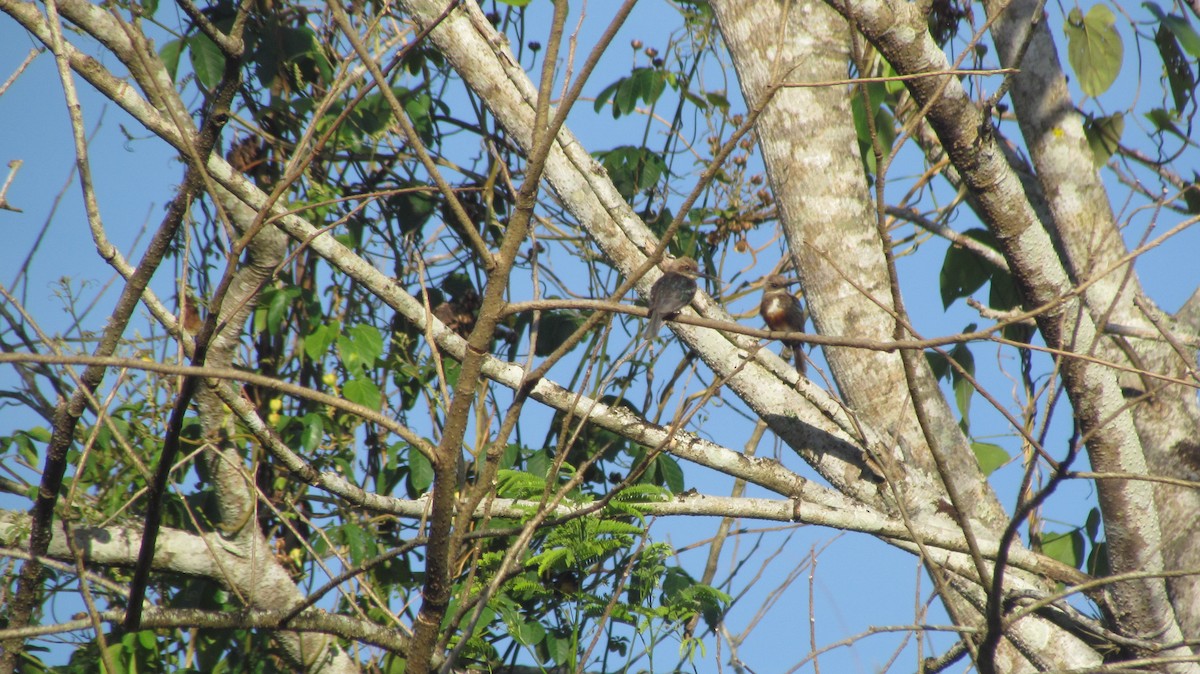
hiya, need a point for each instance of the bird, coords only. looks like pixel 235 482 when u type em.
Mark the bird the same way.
pixel 782 311
pixel 673 291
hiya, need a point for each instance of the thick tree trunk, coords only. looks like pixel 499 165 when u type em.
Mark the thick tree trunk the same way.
pixel 1168 419
pixel 810 146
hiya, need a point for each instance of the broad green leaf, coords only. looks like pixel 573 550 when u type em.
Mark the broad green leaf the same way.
pixel 1191 194
pixel 1093 525
pixel 363 392
pixel 559 649
pixel 883 122
pixel 964 272
pixel 717 99
pixel 554 329
pixel 1179 26
pixel 1103 136
pixel 207 61
pixel 359 347
pixel 603 97
pixel 1094 48
pixel 368 341
pixel 1165 121
pixel 420 471
pixel 938 364
pixel 671 473
pixel 1065 547
pixel 169 54
pixel 644 84
pixel 989 456
pixel 632 169
pixel 314 432
pixel 317 342
pixel 1097 561
pixel 1179 71
pixel 278 302
pixel 963 389
pixel 529 633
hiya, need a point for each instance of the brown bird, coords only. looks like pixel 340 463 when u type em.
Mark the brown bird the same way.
pixel 673 291
pixel 782 311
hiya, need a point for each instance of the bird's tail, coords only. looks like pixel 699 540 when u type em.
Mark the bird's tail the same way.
pixel 799 360
pixel 653 326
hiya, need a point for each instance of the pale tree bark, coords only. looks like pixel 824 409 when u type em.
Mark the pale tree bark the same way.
pixel 1167 418
pixel 810 148
pixel 1141 607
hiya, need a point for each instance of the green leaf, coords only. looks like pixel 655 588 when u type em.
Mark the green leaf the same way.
pixel 645 84
pixel 1065 547
pixel 38 433
pixel 529 633
pixel 412 209
pixel 964 272
pixel 1165 121
pixel 420 471
pixel 317 343
pixel 207 61
pixel 554 329
pixel 632 169
pixel 278 301
pixel 963 389
pixel 1093 525
pixel 672 474
pixel 717 99
pixel 360 347
pixel 559 649
pixel 1191 194
pixel 314 431
pixel 369 342
pixel 169 54
pixel 1097 562
pixel 363 392
pixel 938 364
pixel 885 128
pixel 1003 296
pixel 1179 71
pixel 605 94
pixel 1179 27
pixel 1103 136
pixel 1094 48
pixel 989 456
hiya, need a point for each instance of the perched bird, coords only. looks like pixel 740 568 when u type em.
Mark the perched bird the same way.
pixel 673 291
pixel 782 311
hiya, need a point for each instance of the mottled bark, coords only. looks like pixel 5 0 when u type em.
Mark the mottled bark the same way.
pixel 1134 540
pixel 810 148
pixel 1167 420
